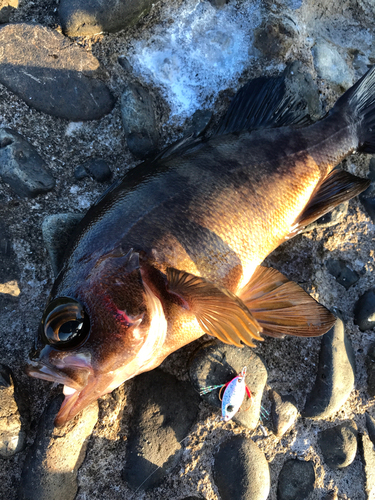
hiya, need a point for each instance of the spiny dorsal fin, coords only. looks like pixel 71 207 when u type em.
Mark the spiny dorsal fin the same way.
pixel 282 307
pixel 218 311
pixel 338 187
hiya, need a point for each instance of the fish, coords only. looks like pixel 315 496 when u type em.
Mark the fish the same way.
pixel 175 250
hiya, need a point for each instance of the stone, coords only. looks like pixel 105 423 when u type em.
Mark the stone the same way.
pixel 51 74
pixel 335 377
pixel 217 363
pixel 368 458
pixel 296 480
pixel 241 470
pixel 367 198
pixel 52 463
pixel 96 168
pixel 164 411
pixel 370 424
pixel 275 36
pixel 57 231
pixel 21 167
pixel 9 270
pixel 340 270
pixel 284 413
pixel 13 427
pixel 370 367
pixel 364 311
pixel 339 444
pixel 138 118
pixel 6 8
pixel 331 66
pixel 125 64
pixel 334 217
pixel 89 17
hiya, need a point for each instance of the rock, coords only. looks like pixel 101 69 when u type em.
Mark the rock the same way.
pixel 21 167
pixel 275 36
pixel 95 168
pixel 52 463
pixel 364 311
pixel 331 496
pixel 217 363
pixel 283 412
pixel 296 480
pixel 370 424
pixel 57 233
pixel 89 17
pixel 330 219
pixel 241 470
pixel 138 118
pixel 12 425
pixel 340 270
pixel 335 377
pixel 368 458
pixel 165 410
pixel 339 444
pixel 367 198
pixel 6 8
pixel 51 74
pixel 331 65
pixel 9 269
pixel 125 64
pixel 370 367
pixel 218 3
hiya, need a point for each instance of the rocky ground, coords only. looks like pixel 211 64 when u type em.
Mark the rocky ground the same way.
pixel 84 95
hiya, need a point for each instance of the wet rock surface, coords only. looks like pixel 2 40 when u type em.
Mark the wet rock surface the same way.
pixel 342 272
pixel 296 480
pixel 284 413
pixel 364 311
pixel 241 470
pixel 339 445
pixel 96 168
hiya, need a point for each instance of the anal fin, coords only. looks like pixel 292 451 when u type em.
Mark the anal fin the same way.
pixel 282 307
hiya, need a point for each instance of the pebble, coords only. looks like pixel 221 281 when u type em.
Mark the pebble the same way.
pixel 57 231
pixel 368 458
pixel 21 167
pixel 370 424
pixel 90 17
pixel 96 168
pixel 9 270
pixel 340 270
pixel 334 217
pixel 339 444
pixel 241 470
pixel 370 367
pixel 138 118
pixel 284 413
pixel 164 411
pixel 275 36
pixel 6 8
pixel 367 198
pixel 335 377
pixel 51 74
pixel 217 363
pixel 330 65
pixel 364 311
pixel 52 463
pixel 296 480
pixel 13 427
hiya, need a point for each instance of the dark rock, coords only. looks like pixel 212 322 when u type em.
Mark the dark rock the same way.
pixel 165 410
pixel 370 424
pixel 80 172
pixel 52 463
pixel 125 64
pixel 335 377
pixel 57 233
pixel 13 427
pixel 89 17
pixel 218 3
pixel 200 121
pixel 51 74
pixel 217 363
pixel 138 118
pixel 330 219
pixel 364 311
pixel 342 272
pixel 296 480
pixel 241 470
pixel 9 270
pixel 275 36
pixel 339 445
pixel 21 167
pixel 367 198
pixel 6 8
pixel 370 367
pixel 368 459
pixel 283 412
pixel 331 496
pixel 95 168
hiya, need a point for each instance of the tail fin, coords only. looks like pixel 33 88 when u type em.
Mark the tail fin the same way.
pixel 358 103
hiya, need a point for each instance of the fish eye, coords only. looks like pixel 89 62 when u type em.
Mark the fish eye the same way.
pixel 65 323
pixel 230 408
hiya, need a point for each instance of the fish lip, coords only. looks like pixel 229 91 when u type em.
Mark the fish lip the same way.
pixel 45 371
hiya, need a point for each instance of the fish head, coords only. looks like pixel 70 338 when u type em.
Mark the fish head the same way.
pixel 106 330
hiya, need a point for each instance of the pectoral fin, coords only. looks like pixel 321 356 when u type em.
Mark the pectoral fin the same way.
pixel 219 312
pixel 282 307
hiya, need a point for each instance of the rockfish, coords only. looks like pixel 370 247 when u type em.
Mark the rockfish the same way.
pixel 174 250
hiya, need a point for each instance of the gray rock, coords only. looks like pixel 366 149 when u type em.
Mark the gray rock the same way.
pixel 241 470
pixel 275 36
pixel 339 444
pixel 367 198
pixel 165 410
pixel 370 424
pixel 52 463
pixel 331 496
pixel 330 219
pixel 335 377
pixel 9 269
pixel 283 412
pixel 370 367
pixel 331 65
pixel 138 118
pixel 12 425
pixel 88 17
pixel 57 233
pixel 96 168
pixel 6 8
pixel 51 74
pixel 296 480
pixel 364 311
pixel 21 167
pixel 125 64
pixel 368 458
pixel 217 363
pixel 342 272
